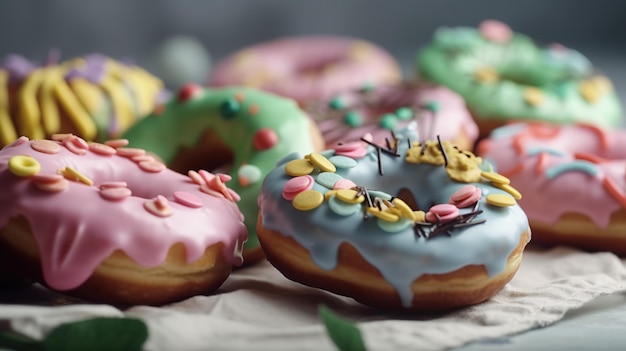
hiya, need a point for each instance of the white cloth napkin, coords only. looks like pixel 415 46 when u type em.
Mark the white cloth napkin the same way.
pixel 258 309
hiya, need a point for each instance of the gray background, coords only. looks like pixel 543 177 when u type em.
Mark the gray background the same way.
pixel 134 29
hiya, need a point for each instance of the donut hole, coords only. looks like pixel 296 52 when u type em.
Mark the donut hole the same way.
pixel 210 154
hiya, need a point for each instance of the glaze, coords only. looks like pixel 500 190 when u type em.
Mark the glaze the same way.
pixel 307 68
pixel 505 76
pixel 80 209
pixel 396 241
pixel 258 128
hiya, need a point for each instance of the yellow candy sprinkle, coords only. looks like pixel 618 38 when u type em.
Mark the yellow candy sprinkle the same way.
pixel 495 178
pixel 394 210
pixel 299 167
pixel 72 174
pixel 509 189
pixel 349 196
pixel 24 166
pixel 420 216
pixel 330 194
pixel 486 75
pixel 589 91
pixel 320 162
pixel 308 200
pixel 533 96
pixel 500 200
pixel 384 215
pixel 405 210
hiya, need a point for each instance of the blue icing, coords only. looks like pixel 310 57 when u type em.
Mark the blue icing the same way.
pixel 507 131
pixel 401 257
pixel 574 166
pixel 532 151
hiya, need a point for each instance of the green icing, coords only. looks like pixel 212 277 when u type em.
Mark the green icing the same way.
pixel 183 124
pixel 456 54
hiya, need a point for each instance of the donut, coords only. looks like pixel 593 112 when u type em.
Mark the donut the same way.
pixel 307 68
pixel 243 129
pixel 504 76
pixel 94 97
pixel 109 223
pixel 573 179
pixel 379 109
pixel 416 226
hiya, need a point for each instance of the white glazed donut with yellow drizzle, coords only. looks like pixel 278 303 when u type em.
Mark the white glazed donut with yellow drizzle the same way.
pixel 94 97
pixel 342 221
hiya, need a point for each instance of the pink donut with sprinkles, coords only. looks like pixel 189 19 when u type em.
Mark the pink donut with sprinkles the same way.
pixel 308 68
pixel 573 179
pixel 97 222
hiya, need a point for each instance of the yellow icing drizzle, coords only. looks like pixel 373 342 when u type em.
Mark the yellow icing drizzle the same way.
pixel 49 112
pixel 87 93
pixel 7 131
pixel 122 104
pixel 29 108
pixel 75 111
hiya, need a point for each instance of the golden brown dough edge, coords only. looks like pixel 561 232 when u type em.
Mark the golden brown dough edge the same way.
pixel 355 277
pixel 119 280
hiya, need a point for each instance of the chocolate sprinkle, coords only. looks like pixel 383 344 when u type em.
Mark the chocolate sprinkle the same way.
pixel 443 151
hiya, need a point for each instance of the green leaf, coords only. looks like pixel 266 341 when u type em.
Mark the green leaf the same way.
pixel 345 334
pixel 120 334
pixel 14 341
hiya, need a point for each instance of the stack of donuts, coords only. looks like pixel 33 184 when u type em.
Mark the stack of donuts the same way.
pixel 344 174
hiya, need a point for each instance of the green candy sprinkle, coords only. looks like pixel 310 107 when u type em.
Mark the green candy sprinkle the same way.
pixel 432 106
pixel 336 103
pixel 341 208
pixel 328 179
pixel 388 121
pixel 230 108
pixel 353 119
pixel 366 88
pixel 394 227
pixel 343 161
pixel 404 113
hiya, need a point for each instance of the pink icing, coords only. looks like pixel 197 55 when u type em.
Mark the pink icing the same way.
pixel 308 68
pixel 76 229
pixel 528 153
pixel 496 31
pixel 451 118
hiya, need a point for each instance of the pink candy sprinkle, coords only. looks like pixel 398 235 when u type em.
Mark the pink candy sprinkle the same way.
pixel 115 194
pixel 116 143
pixel 130 152
pixel 196 177
pixel 142 158
pixel 445 212
pixel 187 199
pixel 466 196
pixel 353 150
pixel 19 141
pixel 344 184
pixel 61 137
pixel 101 149
pixel 264 139
pixel 107 185
pixel 75 144
pixel 296 185
pixel 45 146
pixel 495 31
pixel 152 166
pixel 47 178
pixel 159 206
pixel 54 186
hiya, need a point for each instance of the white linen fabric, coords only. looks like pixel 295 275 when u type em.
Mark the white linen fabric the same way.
pixel 258 309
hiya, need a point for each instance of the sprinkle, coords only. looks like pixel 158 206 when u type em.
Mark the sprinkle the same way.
pixel 614 190
pixel 495 177
pixel 296 185
pixel 380 164
pixel 574 166
pixel 108 185
pixel 55 186
pixel 230 108
pixel 602 135
pixel 264 139
pixel 45 146
pixel 115 194
pixel 116 143
pixel 405 210
pixel 61 136
pixel 349 196
pixel 47 178
pixel 509 189
pixel 443 151
pixel 195 177
pixel 152 166
pixel 130 152
pixel 299 167
pixel 341 208
pixel 353 119
pixel 342 162
pixel 336 103
pixel 72 174
pixel 442 213
pixel 513 171
pixel 486 75
pixel 466 196
pixel 389 152
pixel 384 215
pixel 404 113
pixel 320 162
pixel 500 200
pixel 495 31
pixel 248 174
pixel 353 150
pixel 159 206
pixel 101 149
pixel 142 158
pixel 394 227
pixel 76 145
pixel 344 184
pixel 24 166
pixel 388 121
pixel 187 199
pixel 308 200
pixel 253 109
pixel 328 179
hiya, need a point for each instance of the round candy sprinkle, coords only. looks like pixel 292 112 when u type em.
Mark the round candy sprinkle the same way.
pixel 189 91
pixel 19 141
pixel 495 177
pixel 500 200
pixel 404 113
pixel 308 200
pixel 107 185
pixel 336 103
pixel 349 196
pixel 101 149
pixel 76 145
pixel 296 185
pixel 47 178
pixel 432 106
pixel 115 194
pixel 45 146
pixel 405 210
pixel 329 194
pixel 230 108
pixel 130 152
pixel 143 158
pixel 384 215
pixel 299 167
pixel 380 194
pixel 352 150
pixel 442 213
pixel 159 206
pixel 61 136
pixel 248 174
pixel 264 139
pixel 341 208
pixel 388 121
pixel 394 227
pixel 420 216
pixel 152 166
pixel 343 184
pixel 328 179
pixel 509 189
pixel 24 166
pixel 343 162
pixel 465 196
pixel 320 162
pixel 53 186
pixel 116 143
pixel 353 119
pixel 187 199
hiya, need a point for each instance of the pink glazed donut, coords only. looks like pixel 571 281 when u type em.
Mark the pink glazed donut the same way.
pixel 308 68
pixel 573 179
pixel 377 110
pixel 111 224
